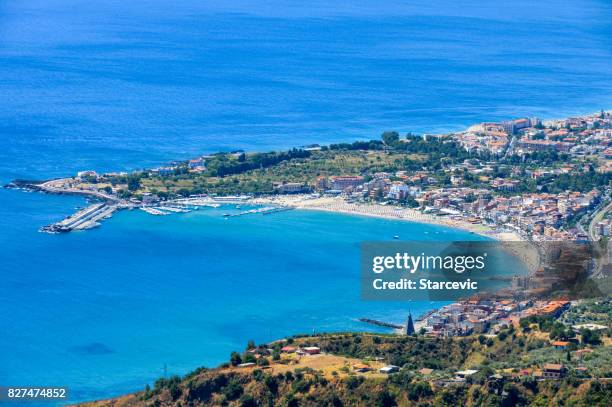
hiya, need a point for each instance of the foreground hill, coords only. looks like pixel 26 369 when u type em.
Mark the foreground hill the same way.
pixel 520 365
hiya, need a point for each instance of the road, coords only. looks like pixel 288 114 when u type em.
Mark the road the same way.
pixel 598 217
pixel 58 187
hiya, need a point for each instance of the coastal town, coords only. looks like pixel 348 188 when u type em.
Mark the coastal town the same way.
pixel 539 180
pixel 482 316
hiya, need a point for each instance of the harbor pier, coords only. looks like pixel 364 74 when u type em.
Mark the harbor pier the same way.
pixel 86 218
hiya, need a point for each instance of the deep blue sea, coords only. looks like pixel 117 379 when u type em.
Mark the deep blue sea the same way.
pixel 116 85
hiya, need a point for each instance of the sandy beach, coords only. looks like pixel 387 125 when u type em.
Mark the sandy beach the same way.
pixel 340 205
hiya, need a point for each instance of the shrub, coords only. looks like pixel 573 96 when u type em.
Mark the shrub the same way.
pixel 235 359
pixel 233 390
pixel 247 401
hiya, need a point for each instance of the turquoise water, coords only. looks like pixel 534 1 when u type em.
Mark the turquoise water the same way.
pixel 104 310
pixel 107 86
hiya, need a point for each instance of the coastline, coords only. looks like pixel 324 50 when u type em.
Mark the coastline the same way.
pixel 530 257
pixel 391 212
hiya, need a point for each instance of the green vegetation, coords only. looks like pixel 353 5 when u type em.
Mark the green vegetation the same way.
pixel 589 311
pixel 262 179
pixel 508 370
pixel 257 173
pixel 221 165
pixel 308 387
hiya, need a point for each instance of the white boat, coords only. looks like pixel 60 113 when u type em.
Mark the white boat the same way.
pixel 172 209
pixel 153 211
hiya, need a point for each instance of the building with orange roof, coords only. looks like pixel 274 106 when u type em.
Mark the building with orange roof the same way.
pixel 560 344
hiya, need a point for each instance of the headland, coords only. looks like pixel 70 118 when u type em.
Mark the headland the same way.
pixel 520 179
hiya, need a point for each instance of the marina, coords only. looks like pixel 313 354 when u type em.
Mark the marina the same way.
pixel 165 210
pixel 91 216
pixel 212 201
pixel 173 209
pixel 153 211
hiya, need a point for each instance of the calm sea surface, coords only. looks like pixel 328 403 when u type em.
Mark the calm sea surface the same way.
pixel 107 86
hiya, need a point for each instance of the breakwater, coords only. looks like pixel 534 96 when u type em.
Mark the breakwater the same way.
pixel 380 323
pixel 86 218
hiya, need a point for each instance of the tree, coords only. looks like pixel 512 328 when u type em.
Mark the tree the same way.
pixel 249 358
pixel 248 401
pixel 133 182
pixel 390 138
pixel 235 359
pixel 272 383
pixel 590 337
pixel 233 390
pixel 513 396
pixel 123 194
pixel 419 390
pixel 385 399
pixel 184 192
pixel 175 391
pixel 301 385
pixel 560 332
